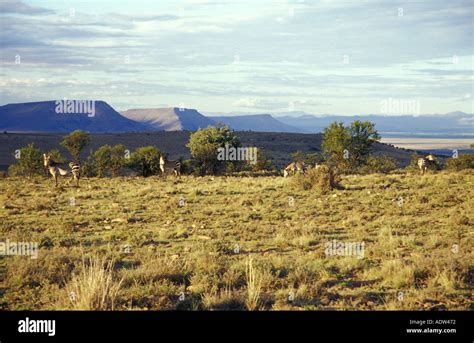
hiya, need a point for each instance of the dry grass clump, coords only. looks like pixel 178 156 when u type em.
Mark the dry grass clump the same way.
pixel 323 179
pixel 95 288
pixel 254 285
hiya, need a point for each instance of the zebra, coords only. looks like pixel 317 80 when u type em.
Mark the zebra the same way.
pixel 166 164
pixel 424 162
pixel 293 167
pixel 56 171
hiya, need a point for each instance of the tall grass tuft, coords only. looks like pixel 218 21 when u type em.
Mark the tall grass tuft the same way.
pixel 254 285
pixel 94 288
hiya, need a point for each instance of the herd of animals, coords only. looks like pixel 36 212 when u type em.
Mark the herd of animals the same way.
pixel 61 169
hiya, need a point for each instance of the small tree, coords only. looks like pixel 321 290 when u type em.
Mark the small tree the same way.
pixel 102 160
pixel 336 139
pixel 75 143
pixel 145 160
pixel 363 137
pixel 349 147
pixel 117 159
pixel 29 161
pixel 204 146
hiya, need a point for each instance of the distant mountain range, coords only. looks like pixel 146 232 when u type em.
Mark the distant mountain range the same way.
pixel 43 117
pixel 255 122
pixel 449 123
pixel 169 119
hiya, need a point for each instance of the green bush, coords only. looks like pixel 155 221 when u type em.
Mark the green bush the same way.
pixel 29 162
pixel 204 145
pixel 465 161
pixel 378 164
pixel 102 158
pixel 145 160
pixel 88 167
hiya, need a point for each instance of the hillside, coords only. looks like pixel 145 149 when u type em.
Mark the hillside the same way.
pixel 278 145
pixel 453 123
pixel 255 122
pixel 42 117
pixel 169 119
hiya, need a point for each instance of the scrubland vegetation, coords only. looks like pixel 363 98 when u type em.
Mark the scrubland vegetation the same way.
pixel 238 236
pixel 243 243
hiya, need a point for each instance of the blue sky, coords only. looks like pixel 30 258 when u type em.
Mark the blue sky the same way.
pixel 321 57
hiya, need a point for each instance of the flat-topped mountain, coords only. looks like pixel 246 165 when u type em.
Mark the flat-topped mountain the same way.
pixel 169 119
pixel 51 116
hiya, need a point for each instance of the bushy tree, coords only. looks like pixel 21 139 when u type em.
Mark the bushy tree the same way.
pixel 117 159
pixel 335 145
pixel 102 160
pixel 29 162
pixel 204 145
pixel 145 160
pixel 363 137
pixel 348 148
pixel 75 142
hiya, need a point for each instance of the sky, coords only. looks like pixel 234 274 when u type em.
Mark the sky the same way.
pixel 319 57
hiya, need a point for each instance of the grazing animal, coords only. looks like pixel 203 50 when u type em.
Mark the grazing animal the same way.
pixel 166 164
pixel 55 170
pixel 425 162
pixel 294 167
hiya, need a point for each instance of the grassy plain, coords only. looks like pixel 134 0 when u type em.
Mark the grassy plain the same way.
pixel 225 243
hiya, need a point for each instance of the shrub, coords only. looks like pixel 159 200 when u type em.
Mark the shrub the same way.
pixel 204 145
pixel 29 162
pixel 348 148
pixel 461 162
pixel 117 159
pixel 323 178
pixel 88 168
pixel 145 160
pixel 102 160
pixel 378 164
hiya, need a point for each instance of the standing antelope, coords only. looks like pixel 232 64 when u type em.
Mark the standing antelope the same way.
pixel 293 167
pixel 425 162
pixel 56 171
pixel 166 164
